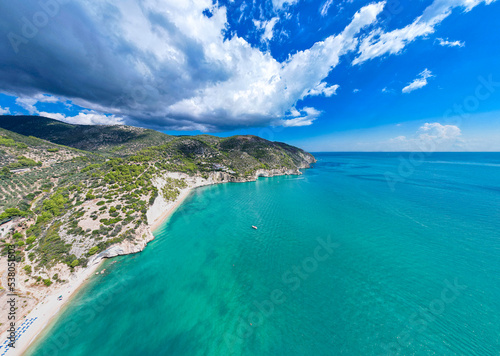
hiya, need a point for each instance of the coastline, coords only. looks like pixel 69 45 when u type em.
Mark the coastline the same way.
pixel 49 307
pixel 167 213
pixel 46 309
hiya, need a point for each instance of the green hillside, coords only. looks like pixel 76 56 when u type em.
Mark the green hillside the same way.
pixel 75 190
pixel 118 139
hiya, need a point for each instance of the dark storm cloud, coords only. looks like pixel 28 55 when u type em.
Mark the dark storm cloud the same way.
pixel 57 47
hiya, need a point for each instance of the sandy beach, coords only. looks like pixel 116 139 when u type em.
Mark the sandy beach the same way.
pixel 45 311
pixel 166 214
pixel 32 324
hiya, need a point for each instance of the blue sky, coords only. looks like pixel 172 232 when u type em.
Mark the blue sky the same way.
pixel 327 75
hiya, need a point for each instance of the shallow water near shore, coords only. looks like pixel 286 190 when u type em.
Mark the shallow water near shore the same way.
pixel 364 254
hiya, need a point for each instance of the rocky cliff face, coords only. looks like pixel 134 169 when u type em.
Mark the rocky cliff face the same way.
pixel 142 238
pixel 276 172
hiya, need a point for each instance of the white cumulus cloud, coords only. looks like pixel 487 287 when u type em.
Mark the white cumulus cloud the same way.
pixel 267 27
pixel 87 117
pixel 322 89
pixel 379 42
pixel 437 131
pixel 304 118
pixel 428 138
pixel 419 82
pixel 28 103
pixel 446 43
pixel 264 88
pixel 4 111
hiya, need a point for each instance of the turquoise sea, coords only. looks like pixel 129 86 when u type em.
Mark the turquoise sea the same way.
pixel 364 254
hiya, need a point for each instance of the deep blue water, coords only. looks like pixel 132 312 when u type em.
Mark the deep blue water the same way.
pixel 364 254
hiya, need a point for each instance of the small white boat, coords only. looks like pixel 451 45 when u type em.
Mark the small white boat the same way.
pixel 254 227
